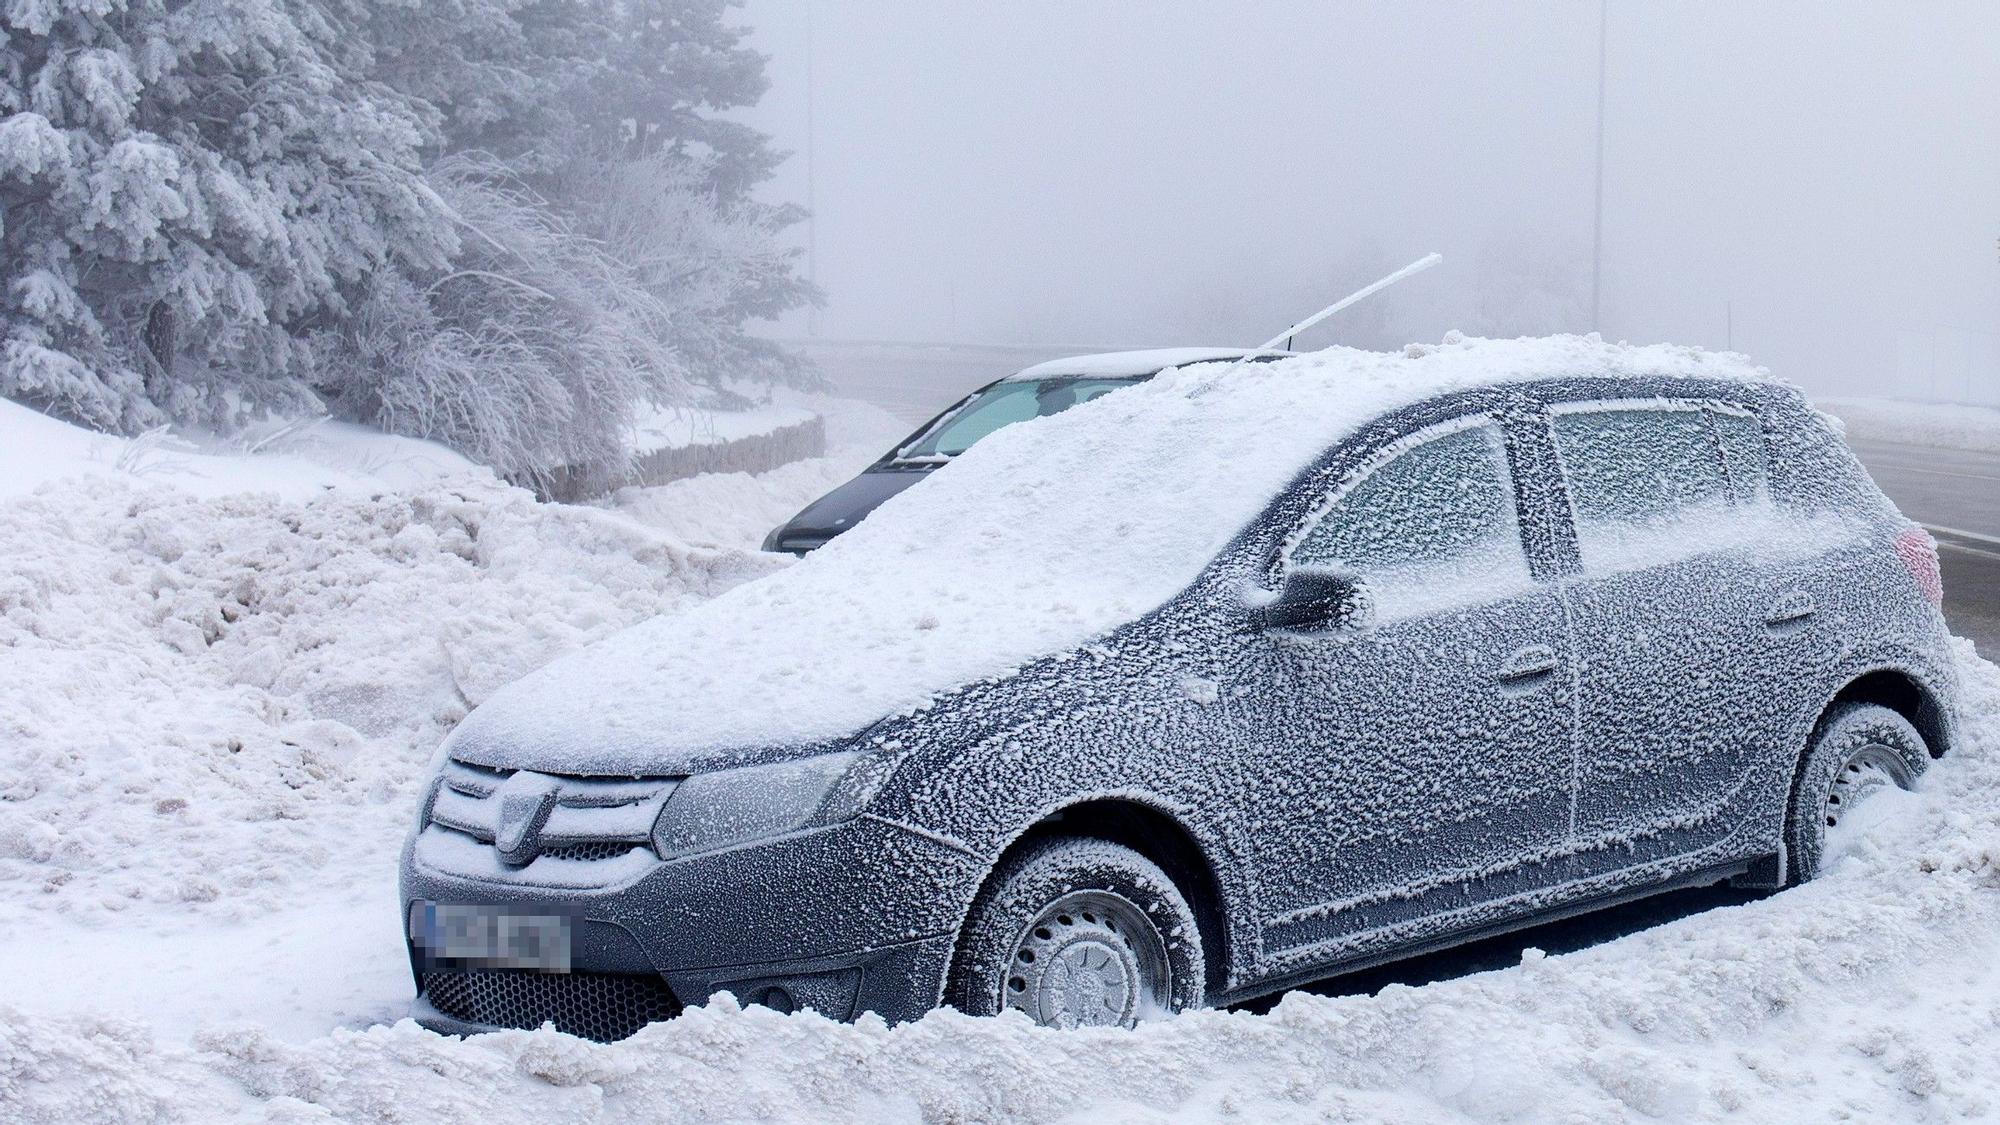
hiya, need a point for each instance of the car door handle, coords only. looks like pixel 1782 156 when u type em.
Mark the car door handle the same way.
pixel 1529 664
pixel 1791 610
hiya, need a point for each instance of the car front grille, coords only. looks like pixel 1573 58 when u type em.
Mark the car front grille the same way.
pixel 518 817
pixel 603 1006
pixel 589 853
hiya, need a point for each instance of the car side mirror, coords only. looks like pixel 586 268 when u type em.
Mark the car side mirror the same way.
pixel 1316 603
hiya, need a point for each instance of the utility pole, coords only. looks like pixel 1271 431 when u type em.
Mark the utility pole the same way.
pixel 1597 221
pixel 812 202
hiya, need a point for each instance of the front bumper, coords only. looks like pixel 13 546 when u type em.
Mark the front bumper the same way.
pixel 859 917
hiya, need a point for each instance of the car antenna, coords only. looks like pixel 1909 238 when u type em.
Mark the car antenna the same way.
pixel 1285 337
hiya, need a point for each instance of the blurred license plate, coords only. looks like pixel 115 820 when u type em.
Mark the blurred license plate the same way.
pixel 491 937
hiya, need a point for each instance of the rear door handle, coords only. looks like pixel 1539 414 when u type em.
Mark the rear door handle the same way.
pixel 1791 609
pixel 1529 664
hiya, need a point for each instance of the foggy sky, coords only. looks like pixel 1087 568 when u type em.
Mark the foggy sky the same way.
pixel 1817 184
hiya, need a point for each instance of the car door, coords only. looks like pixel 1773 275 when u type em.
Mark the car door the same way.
pixel 1419 765
pixel 1672 630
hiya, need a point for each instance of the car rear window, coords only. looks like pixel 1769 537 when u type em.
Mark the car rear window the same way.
pixel 1652 476
pixel 1434 520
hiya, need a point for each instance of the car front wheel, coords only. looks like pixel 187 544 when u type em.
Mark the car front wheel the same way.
pixel 1079 933
pixel 1859 750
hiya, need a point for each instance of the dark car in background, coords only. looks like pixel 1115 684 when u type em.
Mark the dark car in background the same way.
pixel 1498 655
pixel 1034 392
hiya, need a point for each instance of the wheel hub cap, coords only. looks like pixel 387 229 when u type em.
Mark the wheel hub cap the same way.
pixel 1871 770
pixel 1090 982
pixel 1090 959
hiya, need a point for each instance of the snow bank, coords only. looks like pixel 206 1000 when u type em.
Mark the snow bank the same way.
pixel 205 700
pixel 292 460
pixel 1873 994
pixel 1936 424
pixel 1040 537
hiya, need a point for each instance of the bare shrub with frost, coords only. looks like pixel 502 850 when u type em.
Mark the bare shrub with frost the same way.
pixel 530 353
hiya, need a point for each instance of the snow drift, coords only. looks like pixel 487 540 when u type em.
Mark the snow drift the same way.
pixel 1873 994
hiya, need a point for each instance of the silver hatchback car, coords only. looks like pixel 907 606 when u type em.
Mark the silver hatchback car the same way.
pixel 1203 690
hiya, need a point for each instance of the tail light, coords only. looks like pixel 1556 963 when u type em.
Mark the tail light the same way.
pixel 1919 552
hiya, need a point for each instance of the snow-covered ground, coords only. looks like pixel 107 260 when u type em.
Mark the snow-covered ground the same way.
pixel 215 706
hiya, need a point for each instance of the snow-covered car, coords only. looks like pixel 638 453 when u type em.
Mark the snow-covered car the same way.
pixel 1208 688
pixel 1032 392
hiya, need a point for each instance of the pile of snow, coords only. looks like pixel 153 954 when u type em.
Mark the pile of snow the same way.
pixel 204 697
pixel 1040 537
pixel 1872 994
pixel 222 669
pixel 1936 424
pixel 294 460
pixel 219 684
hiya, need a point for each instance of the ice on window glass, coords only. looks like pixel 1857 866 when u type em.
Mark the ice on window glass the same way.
pixel 1433 522
pixel 1640 478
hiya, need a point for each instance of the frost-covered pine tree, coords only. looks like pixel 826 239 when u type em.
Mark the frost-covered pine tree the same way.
pixel 187 187
pixel 505 224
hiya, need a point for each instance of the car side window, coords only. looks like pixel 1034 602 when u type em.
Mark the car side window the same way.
pixel 1641 480
pixel 1432 523
pixel 1742 438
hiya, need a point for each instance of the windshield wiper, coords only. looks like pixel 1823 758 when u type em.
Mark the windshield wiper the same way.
pixel 921 460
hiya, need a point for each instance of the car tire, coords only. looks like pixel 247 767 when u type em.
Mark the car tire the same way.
pixel 1079 932
pixel 1857 748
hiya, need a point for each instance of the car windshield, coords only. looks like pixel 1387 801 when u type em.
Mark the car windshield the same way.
pixel 1002 405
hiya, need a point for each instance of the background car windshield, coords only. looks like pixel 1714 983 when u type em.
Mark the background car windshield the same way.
pixel 1004 404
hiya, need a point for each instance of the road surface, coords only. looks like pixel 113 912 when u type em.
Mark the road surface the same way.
pixel 1954 493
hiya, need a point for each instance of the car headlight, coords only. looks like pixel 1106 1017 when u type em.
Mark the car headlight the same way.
pixel 717 810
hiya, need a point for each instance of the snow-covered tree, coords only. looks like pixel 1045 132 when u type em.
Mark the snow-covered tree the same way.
pixel 506 224
pixel 709 262
pixel 186 188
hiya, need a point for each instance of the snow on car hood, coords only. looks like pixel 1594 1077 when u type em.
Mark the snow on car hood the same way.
pixel 1035 540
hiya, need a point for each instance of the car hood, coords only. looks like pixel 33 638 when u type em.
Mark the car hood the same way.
pixel 605 746
pixel 845 506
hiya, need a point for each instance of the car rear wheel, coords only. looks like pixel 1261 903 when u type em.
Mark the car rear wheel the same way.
pixel 1079 933
pixel 1859 750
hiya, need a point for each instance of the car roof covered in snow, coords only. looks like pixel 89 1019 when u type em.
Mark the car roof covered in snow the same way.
pixel 1127 365
pixel 1034 541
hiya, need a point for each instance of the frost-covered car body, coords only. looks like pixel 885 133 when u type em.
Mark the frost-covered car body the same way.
pixel 1039 391
pixel 1584 628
